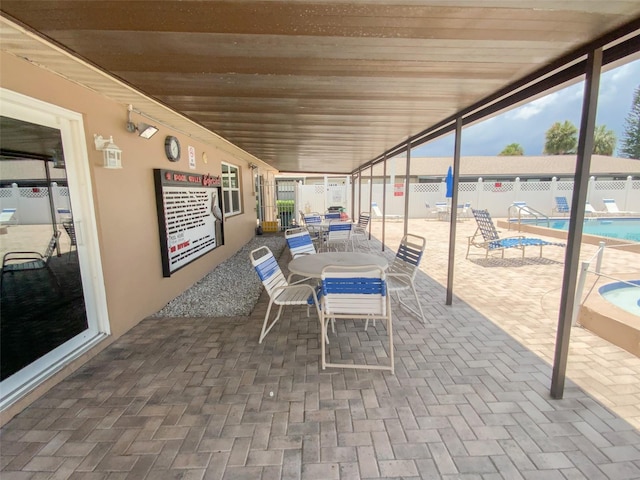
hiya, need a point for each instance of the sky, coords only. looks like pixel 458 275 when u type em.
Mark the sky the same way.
pixel 528 123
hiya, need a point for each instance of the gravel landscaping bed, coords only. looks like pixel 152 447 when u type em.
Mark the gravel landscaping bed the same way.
pixel 231 289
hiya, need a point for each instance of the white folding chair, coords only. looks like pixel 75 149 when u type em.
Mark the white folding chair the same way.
pixel 339 234
pixel 359 232
pixel 299 242
pixel 278 289
pixel 355 293
pixel 402 272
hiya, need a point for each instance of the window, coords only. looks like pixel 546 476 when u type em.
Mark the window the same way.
pixel 231 189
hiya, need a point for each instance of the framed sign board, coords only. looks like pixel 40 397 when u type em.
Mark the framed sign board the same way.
pixel 190 219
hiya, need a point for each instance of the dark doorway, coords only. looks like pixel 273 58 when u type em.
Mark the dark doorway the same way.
pixel 40 308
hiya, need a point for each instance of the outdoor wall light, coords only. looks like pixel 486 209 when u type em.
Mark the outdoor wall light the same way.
pixel 112 155
pixel 144 129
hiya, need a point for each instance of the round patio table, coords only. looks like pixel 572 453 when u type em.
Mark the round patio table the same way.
pixel 311 265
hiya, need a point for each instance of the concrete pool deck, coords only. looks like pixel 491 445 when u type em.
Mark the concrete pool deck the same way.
pixel 523 298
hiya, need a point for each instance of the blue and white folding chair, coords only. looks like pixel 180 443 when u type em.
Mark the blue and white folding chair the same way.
pixel 355 293
pixel 299 242
pixel 332 216
pixel 402 272
pixel 313 223
pixel 339 234
pixel 278 289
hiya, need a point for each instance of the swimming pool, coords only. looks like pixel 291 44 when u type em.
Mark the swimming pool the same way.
pixel 620 228
pixel 623 295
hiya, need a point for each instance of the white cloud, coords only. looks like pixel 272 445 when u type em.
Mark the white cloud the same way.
pixel 534 108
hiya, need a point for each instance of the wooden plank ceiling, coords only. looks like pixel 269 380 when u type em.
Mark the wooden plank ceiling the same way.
pixel 318 86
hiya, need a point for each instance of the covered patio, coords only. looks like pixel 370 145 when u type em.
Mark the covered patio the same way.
pixel 200 398
pixel 312 86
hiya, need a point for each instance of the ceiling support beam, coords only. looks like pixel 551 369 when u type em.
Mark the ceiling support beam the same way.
pixel 454 211
pixel 384 196
pixel 576 222
pixel 407 176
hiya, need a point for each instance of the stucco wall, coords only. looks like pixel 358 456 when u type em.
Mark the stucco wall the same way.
pixel 125 198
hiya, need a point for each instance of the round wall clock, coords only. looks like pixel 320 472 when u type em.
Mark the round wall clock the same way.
pixel 172 148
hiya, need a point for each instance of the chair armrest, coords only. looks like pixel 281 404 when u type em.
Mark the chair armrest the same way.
pixel 18 256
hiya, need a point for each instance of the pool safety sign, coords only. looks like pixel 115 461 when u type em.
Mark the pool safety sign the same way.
pixel 190 219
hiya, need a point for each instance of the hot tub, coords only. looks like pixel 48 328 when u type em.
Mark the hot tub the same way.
pixel 613 313
pixel 623 295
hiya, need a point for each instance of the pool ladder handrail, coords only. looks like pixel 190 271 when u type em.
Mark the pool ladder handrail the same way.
pixel 582 278
pixel 521 210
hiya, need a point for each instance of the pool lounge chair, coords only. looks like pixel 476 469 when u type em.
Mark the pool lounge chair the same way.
pixel 562 206
pixel 378 214
pixel 487 238
pixel 612 208
pixel 589 210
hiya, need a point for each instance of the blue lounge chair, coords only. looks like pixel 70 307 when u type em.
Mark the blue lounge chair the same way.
pixel 562 206
pixel 487 237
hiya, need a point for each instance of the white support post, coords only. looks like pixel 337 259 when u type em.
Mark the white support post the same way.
pixel 579 288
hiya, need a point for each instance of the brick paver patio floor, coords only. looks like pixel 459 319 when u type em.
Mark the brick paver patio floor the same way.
pixel 200 398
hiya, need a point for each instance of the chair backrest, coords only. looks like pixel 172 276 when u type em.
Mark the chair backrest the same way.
pixel 485 225
pixel 442 206
pixel 332 216
pixel 51 247
pixel 312 218
pixel 588 208
pixel 299 242
pixel 363 219
pixel 610 205
pixel 522 207
pixel 354 291
pixel 267 269
pixel 464 208
pixel 409 255
pixel 339 231
pixel 71 231
pixel 562 206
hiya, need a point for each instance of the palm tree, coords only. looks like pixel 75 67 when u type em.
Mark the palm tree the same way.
pixel 562 138
pixel 631 139
pixel 511 150
pixel 604 141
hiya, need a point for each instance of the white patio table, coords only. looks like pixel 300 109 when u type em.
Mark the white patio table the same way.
pixel 310 266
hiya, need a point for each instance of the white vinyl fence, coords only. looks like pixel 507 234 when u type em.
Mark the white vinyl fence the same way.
pixel 32 203
pixel 493 196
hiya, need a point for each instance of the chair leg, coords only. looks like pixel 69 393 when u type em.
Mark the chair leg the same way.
pixel 265 329
pixel 323 331
pixel 415 293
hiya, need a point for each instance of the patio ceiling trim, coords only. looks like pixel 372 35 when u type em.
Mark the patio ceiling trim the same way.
pixel 561 71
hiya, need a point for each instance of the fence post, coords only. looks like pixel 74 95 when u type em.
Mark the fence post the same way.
pixel 600 256
pixel 627 193
pixel 480 188
pixel 590 189
pixel 554 191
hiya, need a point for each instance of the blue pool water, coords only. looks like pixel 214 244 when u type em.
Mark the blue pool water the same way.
pixel 621 228
pixel 623 295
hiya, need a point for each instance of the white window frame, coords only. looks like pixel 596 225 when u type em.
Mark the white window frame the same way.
pixel 227 192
